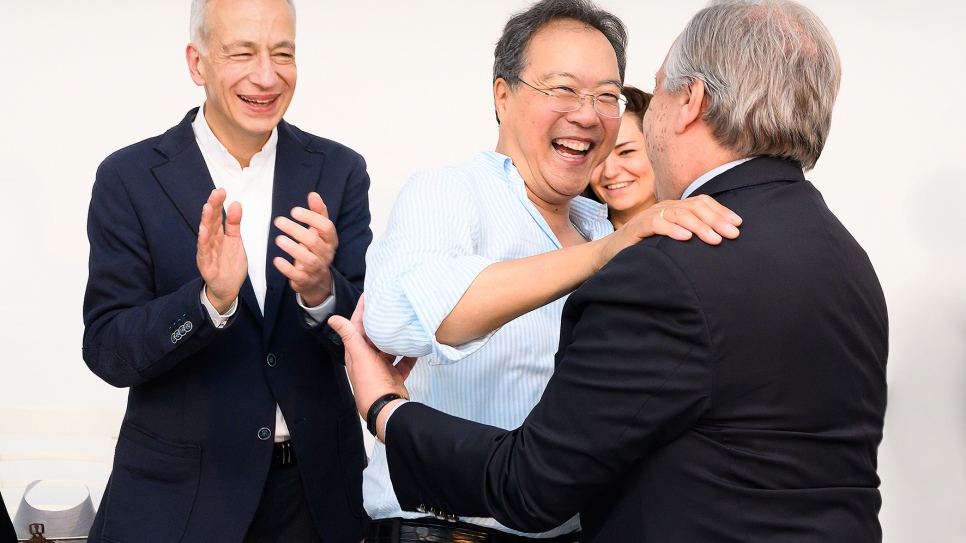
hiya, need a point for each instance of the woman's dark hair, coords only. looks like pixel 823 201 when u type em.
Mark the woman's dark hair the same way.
pixel 637 102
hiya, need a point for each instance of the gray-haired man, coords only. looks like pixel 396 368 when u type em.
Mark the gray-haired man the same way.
pixel 701 393
pixel 239 425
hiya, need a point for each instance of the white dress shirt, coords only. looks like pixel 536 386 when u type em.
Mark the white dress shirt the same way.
pixel 252 188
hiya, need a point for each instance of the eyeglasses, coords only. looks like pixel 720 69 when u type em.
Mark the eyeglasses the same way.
pixel 566 99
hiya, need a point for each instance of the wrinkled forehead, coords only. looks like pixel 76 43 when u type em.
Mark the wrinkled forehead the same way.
pixel 251 21
pixel 568 49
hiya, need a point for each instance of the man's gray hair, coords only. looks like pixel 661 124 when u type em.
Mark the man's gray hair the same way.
pixel 771 73
pixel 198 30
pixel 509 59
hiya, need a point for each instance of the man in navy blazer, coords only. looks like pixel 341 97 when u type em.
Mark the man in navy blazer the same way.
pixel 701 393
pixel 240 423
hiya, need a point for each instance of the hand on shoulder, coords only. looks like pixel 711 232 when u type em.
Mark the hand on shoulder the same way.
pixel 677 219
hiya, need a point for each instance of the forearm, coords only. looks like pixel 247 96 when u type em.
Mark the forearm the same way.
pixel 634 373
pixel 460 484
pixel 133 332
pixel 456 479
pixel 129 346
pixel 505 290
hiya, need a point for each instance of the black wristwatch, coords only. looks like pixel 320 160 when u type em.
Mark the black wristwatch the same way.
pixel 376 408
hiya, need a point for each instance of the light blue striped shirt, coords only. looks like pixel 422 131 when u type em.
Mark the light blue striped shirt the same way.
pixel 445 227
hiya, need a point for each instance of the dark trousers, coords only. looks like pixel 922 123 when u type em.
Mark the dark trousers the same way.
pixel 283 514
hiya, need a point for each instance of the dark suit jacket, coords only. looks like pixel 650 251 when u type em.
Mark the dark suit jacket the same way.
pixel 702 393
pixel 196 443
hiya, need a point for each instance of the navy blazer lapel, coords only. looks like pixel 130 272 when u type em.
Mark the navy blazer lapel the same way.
pixel 184 175
pixel 757 171
pixel 297 170
pixel 185 178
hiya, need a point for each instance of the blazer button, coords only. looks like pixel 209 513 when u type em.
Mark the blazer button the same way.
pixel 264 433
pixel 271 360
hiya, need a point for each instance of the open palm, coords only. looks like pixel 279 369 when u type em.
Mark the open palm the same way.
pixel 221 255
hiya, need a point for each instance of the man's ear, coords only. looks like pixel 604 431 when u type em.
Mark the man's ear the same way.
pixel 195 67
pixel 691 106
pixel 501 93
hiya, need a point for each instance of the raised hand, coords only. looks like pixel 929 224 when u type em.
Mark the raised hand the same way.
pixel 370 370
pixel 312 249
pixel 221 256
pixel 676 219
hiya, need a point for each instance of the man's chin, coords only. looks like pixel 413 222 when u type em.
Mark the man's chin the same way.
pixel 261 127
pixel 573 182
pixel 259 124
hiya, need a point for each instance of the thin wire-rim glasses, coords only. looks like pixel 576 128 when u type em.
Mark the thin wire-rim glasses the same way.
pixel 559 97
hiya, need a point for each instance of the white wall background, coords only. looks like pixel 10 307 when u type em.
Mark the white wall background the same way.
pixel 407 84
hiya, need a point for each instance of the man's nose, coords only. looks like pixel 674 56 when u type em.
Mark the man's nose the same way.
pixel 585 115
pixel 263 73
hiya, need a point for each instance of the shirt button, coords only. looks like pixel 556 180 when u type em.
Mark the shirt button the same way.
pixel 271 360
pixel 264 433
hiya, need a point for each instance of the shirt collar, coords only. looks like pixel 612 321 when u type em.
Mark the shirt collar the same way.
pixel 500 166
pixel 584 212
pixel 209 143
pixel 711 175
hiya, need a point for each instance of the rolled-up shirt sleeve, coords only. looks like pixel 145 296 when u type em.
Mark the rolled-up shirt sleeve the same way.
pixel 421 267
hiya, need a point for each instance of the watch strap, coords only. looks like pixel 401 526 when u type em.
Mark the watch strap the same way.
pixel 376 408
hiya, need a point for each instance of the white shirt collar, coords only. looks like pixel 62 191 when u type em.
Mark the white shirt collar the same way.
pixel 216 151
pixel 711 175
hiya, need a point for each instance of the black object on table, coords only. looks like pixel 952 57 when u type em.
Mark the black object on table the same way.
pixel 7 533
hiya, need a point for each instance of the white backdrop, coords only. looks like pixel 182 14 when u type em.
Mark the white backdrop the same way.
pixel 407 84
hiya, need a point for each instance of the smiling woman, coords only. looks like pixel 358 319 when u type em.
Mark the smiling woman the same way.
pixel 625 180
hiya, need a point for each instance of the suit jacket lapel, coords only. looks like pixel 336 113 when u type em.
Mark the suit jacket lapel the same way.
pixel 297 171
pixel 185 178
pixel 184 175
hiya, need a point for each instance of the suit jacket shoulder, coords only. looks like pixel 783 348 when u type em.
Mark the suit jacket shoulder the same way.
pixel 157 149
pixel 318 144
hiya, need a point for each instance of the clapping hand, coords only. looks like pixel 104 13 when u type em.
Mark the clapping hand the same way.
pixel 221 256
pixel 312 249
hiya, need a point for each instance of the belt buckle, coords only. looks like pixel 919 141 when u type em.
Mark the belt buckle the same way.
pixel 285 452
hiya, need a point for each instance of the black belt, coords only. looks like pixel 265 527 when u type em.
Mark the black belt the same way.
pixel 283 454
pixel 398 530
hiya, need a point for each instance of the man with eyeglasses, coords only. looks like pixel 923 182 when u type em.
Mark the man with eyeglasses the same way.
pixel 701 394
pixel 478 258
